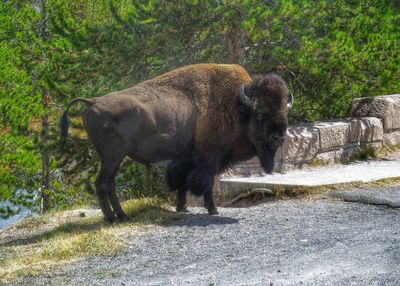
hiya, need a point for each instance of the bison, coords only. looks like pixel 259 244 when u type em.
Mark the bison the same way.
pixel 201 118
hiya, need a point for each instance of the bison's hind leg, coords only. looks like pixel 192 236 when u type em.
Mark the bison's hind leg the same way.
pixel 109 144
pixel 176 174
pixel 105 189
pixel 102 188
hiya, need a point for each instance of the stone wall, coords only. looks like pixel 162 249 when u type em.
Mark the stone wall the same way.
pixel 374 122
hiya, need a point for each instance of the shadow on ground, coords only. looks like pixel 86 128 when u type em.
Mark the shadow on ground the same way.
pixel 196 220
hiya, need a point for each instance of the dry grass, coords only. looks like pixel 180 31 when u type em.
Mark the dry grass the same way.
pixel 49 241
pixel 312 193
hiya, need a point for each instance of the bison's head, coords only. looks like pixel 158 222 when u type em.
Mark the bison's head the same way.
pixel 268 100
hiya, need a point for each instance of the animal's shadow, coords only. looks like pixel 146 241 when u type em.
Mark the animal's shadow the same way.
pixel 77 226
pixel 201 220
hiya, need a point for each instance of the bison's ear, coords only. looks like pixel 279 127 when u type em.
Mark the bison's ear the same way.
pixel 290 100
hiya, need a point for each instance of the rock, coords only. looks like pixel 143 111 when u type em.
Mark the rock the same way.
pixel 345 154
pixel 385 107
pixel 253 167
pixel 392 139
pixel 326 158
pixel 333 133
pixel 341 155
pixel 301 144
pixel 285 167
pixel 194 201
pixel 372 145
pixel 246 169
pixel 365 129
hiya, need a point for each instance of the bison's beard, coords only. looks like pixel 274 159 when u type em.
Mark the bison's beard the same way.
pixel 267 157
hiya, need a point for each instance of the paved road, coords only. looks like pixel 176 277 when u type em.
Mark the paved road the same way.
pixel 341 240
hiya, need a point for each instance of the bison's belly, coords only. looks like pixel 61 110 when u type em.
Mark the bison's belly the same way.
pixel 160 147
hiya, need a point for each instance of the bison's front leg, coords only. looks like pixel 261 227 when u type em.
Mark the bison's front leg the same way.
pixel 209 202
pixel 200 181
pixel 176 174
pixel 181 201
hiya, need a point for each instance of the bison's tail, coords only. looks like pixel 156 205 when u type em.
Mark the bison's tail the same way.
pixel 64 119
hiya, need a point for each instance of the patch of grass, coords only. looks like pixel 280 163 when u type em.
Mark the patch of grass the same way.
pixel 41 253
pixel 321 191
pixel 315 163
pixel 33 221
pixel 383 182
pixel 367 152
pixel 148 211
pixel 44 251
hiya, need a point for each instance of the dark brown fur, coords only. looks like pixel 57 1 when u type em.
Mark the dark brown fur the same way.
pixel 192 116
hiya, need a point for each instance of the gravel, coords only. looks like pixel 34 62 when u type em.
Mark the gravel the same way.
pixel 295 242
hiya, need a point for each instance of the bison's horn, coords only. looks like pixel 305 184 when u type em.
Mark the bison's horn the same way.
pixel 244 98
pixel 290 100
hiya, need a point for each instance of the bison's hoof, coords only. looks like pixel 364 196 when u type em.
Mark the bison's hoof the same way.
pixel 122 217
pixel 110 219
pixel 182 210
pixel 213 212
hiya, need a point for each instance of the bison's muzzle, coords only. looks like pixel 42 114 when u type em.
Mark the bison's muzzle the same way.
pixel 267 157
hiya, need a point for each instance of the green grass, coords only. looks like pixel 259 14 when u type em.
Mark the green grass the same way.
pixel 43 251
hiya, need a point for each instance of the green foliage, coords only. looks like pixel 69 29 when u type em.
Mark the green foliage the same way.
pixel 328 51
pixel 18 102
pixel 367 153
pixel 137 181
pixel 331 51
pixel 29 51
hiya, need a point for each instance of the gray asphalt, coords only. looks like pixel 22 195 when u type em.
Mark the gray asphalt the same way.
pixel 389 198
pixel 349 238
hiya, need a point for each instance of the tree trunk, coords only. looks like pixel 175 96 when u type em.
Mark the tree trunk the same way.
pixel 45 154
pixel 236 39
pixel 44 135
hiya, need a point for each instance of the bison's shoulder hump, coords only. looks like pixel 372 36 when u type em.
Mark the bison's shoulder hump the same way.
pixel 204 71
